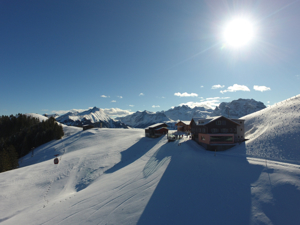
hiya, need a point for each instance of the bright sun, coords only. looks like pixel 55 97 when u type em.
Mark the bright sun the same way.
pixel 238 32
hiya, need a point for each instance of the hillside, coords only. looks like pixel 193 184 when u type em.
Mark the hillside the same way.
pixel 117 176
pixel 274 132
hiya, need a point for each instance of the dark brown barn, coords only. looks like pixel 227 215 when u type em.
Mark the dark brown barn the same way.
pixel 156 130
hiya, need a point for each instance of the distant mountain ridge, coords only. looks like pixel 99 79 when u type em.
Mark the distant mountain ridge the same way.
pixel 235 109
pixel 238 108
pixel 144 119
pixel 94 116
pixel 184 112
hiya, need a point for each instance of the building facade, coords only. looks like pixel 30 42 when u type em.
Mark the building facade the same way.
pixel 183 126
pixel 217 133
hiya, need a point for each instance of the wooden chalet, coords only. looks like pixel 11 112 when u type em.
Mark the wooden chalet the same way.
pixel 217 133
pixel 156 130
pixel 183 126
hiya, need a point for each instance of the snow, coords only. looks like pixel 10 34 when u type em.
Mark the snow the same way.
pixel 38 116
pixel 238 108
pixel 118 176
pixel 274 132
pixel 93 115
pixel 155 125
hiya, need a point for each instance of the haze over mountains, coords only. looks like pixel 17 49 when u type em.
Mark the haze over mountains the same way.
pixel 97 116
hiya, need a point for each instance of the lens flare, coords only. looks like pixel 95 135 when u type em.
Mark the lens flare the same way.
pixel 238 32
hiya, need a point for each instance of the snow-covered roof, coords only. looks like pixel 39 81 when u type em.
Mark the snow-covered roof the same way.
pixel 156 125
pixel 211 119
pixel 186 122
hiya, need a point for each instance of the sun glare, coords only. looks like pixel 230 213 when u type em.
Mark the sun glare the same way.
pixel 238 32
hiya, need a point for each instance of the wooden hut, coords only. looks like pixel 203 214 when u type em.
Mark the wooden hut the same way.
pixel 156 130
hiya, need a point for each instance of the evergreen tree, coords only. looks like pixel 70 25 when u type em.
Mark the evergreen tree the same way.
pixel 20 134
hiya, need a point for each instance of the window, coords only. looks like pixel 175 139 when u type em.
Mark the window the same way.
pixel 214 130
pixel 224 130
pixel 223 122
pixel 200 122
pixel 203 130
pixel 219 122
pixel 202 138
pixel 221 139
pixel 230 130
pixel 241 122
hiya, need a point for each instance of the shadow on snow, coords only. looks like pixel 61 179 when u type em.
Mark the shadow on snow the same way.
pixel 200 188
pixel 134 152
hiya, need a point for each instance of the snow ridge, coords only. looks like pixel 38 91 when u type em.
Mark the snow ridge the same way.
pixel 274 132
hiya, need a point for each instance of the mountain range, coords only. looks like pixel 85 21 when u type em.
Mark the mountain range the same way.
pixel 94 116
pixel 234 109
pixel 97 117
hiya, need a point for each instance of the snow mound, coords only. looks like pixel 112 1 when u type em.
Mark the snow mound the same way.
pixel 274 132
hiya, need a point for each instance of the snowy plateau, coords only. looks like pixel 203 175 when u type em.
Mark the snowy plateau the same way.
pixel 118 176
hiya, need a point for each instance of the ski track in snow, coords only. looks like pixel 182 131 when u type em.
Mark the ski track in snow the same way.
pixel 104 177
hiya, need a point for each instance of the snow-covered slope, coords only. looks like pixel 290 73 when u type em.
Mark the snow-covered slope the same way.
pixel 238 108
pixel 274 132
pixel 117 176
pixel 91 116
pixel 38 116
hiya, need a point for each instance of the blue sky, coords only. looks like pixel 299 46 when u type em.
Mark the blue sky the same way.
pixel 143 55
